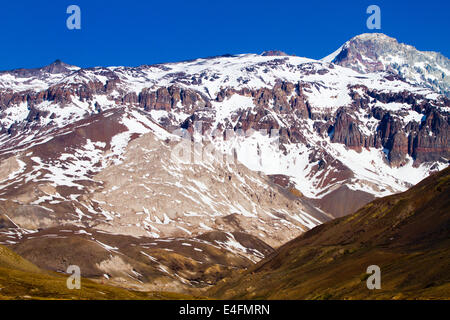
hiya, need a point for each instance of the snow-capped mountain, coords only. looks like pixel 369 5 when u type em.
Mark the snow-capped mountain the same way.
pixel 276 145
pixel 372 52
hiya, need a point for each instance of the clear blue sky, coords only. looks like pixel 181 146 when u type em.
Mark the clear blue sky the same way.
pixel 135 32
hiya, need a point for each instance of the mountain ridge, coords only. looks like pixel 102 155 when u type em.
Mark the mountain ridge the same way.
pixel 405 234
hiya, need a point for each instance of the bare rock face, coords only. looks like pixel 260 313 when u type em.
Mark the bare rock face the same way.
pixel 399 149
pixel 345 130
pixel 432 141
pixel 423 141
pixel 169 99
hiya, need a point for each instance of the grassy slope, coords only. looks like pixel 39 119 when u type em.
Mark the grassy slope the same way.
pixel 20 279
pixel 407 235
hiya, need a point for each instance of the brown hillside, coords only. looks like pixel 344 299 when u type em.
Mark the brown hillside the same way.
pixel 406 235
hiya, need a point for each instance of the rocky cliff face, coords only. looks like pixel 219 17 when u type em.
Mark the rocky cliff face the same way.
pixel 424 140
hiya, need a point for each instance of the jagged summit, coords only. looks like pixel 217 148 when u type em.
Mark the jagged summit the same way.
pixel 374 52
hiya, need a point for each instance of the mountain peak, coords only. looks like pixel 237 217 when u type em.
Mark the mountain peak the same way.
pixel 273 53
pixel 58 66
pixel 377 52
pixel 373 36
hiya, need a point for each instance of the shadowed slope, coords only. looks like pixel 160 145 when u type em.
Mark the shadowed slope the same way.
pixel 407 235
pixel 20 279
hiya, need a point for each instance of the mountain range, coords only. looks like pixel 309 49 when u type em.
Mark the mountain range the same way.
pixel 272 145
